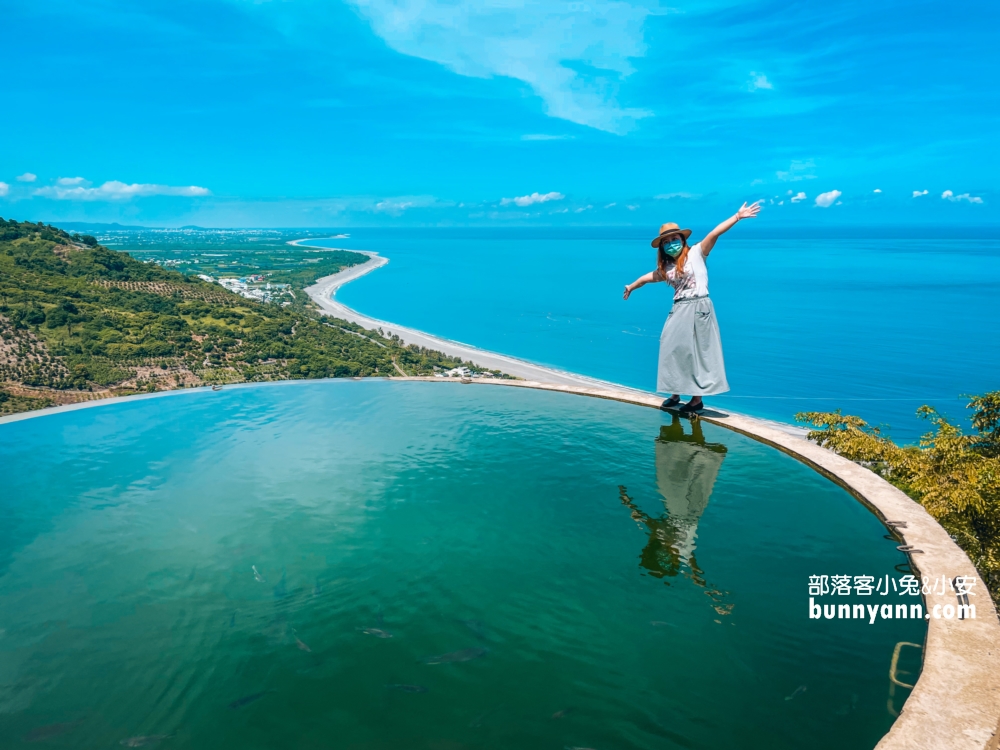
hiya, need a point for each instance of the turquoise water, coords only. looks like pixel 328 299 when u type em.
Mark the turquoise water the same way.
pixel 223 569
pixel 876 327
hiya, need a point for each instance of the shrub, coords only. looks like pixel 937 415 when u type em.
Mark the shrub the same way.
pixel 955 476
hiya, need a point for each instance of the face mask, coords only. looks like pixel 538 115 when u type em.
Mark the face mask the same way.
pixel 673 248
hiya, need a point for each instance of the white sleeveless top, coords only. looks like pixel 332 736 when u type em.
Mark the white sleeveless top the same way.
pixel 694 281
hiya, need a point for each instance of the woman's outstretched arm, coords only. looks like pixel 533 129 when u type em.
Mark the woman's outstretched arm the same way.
pixel 650 278
pixel 745 212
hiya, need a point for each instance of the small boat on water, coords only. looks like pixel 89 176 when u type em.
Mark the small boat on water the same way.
pixel 216 387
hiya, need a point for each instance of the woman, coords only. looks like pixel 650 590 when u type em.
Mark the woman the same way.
pixel 690 347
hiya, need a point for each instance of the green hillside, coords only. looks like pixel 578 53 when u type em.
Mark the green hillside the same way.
pixel 79 321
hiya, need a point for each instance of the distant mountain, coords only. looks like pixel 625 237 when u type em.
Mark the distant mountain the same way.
pixel 88 226
pixel 77 226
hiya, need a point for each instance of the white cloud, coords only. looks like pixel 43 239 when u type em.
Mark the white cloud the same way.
pixel 528 200
pixel 76 189
pixel 393 207
pixel 4 189
pixel 825 200
pixel 758 81
pixel 918 193
pixel 582 209
pixel 668 196
pixel 950 196
pixel 800 196
pixel 632 207
pixel 877 190
pixel 396 205
pixel 797 170
pixel 544 137
pixel 611 205
pixel 781 203
pixel 27 177
pixel 573 55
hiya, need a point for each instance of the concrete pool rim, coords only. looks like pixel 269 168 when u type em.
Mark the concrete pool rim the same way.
pixel 955 703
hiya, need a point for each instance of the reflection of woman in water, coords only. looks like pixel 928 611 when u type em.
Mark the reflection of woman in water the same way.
pixel 686 468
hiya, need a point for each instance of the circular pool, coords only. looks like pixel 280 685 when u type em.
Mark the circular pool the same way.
pixel 419 565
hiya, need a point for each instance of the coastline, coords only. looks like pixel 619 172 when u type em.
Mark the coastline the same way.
pixel 323 293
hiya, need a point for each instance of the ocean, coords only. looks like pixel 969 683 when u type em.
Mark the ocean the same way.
pixel 874 327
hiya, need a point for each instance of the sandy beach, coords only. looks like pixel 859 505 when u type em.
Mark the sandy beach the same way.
pixel 323 293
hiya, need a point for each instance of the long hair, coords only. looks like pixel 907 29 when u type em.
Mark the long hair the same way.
pixel 664 261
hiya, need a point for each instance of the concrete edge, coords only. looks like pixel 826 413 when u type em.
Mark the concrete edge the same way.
pixel 955 704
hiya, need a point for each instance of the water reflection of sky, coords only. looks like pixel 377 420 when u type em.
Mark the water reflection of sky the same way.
pixel 134 535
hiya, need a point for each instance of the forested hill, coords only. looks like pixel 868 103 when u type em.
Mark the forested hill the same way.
pixel 79 321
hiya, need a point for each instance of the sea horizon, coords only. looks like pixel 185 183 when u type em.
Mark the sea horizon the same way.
pixel 931 230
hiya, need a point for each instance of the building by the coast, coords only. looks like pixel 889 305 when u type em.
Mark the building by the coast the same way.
pixel 269 292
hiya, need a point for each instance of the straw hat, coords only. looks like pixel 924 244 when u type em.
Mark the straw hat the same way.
pixel 670 228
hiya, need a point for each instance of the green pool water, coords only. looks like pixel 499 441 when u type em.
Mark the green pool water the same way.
pixel 420 565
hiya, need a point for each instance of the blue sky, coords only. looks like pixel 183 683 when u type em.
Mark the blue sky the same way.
pixel 443 112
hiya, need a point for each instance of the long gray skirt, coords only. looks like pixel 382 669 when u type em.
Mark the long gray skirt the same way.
pixel 691 351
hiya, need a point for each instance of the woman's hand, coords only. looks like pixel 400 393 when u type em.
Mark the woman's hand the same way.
pixel 744 212
pixel 748 212
pixel 628 291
